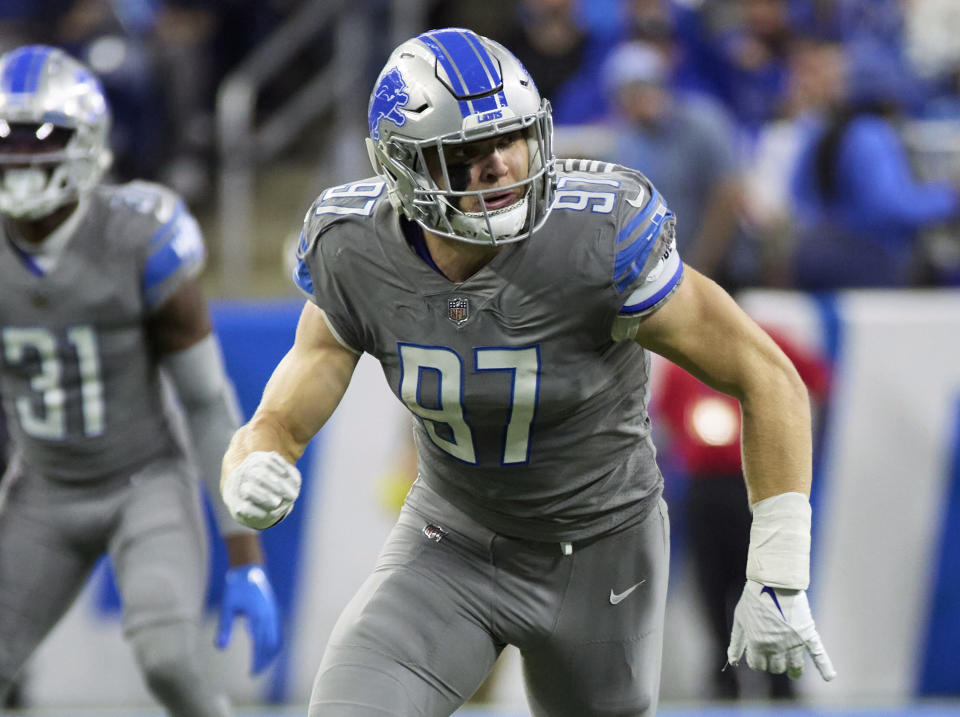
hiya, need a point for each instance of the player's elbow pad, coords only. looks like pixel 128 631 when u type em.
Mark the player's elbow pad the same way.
pixel 199 377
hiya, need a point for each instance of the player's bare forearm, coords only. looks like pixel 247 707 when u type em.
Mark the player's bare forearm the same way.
pixel 703 331
pixel 268 430
pixel 776 442
pixel 300 396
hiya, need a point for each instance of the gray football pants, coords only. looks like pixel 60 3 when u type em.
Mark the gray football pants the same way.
pixel 151 524
pixel 427 626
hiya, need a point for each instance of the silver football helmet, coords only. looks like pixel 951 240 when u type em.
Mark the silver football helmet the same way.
pixel 443 89
pixel 54 131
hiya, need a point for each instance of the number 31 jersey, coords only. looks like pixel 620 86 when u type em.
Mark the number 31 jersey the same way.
pixel 80 385
pixel 530 415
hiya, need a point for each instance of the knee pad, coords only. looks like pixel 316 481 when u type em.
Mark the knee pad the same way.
pixel 165 649
pixel 168 659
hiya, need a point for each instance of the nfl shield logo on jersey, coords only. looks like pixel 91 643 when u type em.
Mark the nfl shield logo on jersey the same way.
pixel 434 532
pixel 458 309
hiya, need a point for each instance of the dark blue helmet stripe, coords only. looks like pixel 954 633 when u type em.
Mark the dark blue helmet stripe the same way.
pixel 485 58
pixel 36 69
pixel 485 104
pixel 14 73
pixel 500 99
pixel 23 74
pixel 455 80
pixel 466 67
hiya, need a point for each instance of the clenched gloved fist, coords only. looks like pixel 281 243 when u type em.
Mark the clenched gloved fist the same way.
pixel 775 628
pixel 260 492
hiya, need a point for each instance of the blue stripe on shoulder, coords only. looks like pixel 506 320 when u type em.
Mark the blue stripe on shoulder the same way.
pixel 631 258
pixel 639 250
pixel 176 244
pixel 652 301
pixel 640 218
pixel 301 277
pixel 162 235
pixel 301 274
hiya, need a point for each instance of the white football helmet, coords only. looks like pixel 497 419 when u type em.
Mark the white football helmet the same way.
pixel 446 88
pixel 54 131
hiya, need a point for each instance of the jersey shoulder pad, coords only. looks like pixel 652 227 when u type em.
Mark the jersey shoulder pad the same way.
pixel 156 224
pixel 637 214
pixel 145 202
pixel 146 216
pixel 616 189
pixel 644 229
pixel 589 166
pixel 351 208
pixel 598 172
pixel 352 203
pixel 646 266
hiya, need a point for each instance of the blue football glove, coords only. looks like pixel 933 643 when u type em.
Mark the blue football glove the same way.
pixel 247 591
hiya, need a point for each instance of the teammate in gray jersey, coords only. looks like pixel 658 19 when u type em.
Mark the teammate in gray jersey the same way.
pixel 99 298
pixel 511 300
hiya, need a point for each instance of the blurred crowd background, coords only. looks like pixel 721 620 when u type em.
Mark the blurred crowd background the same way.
pixel 811 144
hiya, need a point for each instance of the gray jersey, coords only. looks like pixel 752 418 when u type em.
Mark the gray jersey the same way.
pixel 530 416
pixel 81 390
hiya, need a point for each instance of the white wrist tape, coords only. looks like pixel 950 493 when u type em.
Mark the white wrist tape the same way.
pixel 779 553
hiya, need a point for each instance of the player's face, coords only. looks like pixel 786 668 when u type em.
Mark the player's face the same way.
pixel 34 140
pixel 29 153
pixel 486 164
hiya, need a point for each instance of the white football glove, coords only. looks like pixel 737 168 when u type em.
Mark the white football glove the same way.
pixel 776 629
pixel 260 492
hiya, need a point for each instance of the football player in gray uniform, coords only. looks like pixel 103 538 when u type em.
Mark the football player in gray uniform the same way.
pixel 512 300
pixel 101 311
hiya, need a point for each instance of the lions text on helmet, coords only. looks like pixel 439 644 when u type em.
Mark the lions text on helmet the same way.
pixel 447 109
pixel 53 133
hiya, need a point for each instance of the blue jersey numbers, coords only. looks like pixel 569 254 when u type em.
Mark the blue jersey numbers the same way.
pixel 443 417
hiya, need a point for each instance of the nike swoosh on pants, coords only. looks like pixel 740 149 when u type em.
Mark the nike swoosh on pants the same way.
pixel 616 598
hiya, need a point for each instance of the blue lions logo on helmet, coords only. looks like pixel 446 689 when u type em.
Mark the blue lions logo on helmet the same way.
pixel 387 98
